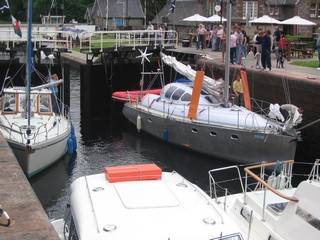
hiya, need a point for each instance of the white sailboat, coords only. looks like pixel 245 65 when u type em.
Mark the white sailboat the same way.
pixel 210 123
pixel 37 135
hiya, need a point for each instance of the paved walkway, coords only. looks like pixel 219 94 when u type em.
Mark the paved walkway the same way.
pixel 28 219
pixel 289 69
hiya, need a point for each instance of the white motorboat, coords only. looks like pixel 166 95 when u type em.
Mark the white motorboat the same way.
pixel 37 133
pixel 269 207
pixel 142 202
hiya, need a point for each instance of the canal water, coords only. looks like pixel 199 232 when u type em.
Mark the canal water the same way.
pixel 112 141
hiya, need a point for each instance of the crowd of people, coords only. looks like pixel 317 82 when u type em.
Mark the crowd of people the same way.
pixel 260 46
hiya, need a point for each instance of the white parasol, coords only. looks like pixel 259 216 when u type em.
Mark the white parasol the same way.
pixel 196 18
pixel 296 20
pixel 265 19
pixel 216 18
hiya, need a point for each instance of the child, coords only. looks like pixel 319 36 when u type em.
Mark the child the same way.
pixel 238 90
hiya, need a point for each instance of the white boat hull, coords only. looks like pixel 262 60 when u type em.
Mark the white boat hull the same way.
pixel 36 157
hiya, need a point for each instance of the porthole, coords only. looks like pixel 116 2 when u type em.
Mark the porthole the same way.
pixel 213 134
pixel 194 130
pixel 234 137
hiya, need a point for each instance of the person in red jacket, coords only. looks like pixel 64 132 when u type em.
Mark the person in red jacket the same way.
pixel 283 45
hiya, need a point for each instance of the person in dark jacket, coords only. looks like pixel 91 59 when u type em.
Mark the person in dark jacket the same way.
pixel 266 50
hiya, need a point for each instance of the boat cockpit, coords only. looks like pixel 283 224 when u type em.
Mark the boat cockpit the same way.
pixel 181 93
pixel 14 102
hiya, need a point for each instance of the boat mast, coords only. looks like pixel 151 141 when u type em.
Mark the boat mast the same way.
pixel 227 57
pixel 29 65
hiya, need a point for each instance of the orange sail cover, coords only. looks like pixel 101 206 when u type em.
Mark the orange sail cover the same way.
pixel 197 86
pixel 136 172
pixel 245 87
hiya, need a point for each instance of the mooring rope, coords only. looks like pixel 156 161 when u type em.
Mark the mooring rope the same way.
pixel 309 124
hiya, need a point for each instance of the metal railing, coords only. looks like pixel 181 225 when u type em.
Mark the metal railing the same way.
pixel 169 108
pixel 133 38
pixel 260 181
pixel 41 39
pixel 37 132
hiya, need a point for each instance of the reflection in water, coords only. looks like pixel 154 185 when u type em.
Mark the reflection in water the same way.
pixel 112 142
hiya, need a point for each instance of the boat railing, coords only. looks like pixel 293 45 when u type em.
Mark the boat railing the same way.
pixel 263 108
pixel 258 178
pixel 168 109
pixel 21 130
pixel 315 173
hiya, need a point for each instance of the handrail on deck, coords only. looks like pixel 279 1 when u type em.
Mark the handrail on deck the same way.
pixel 265 184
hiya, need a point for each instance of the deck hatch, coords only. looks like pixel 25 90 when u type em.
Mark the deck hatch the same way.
pixel 145 194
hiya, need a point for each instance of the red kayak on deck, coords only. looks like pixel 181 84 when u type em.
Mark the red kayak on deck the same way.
pixel 126 96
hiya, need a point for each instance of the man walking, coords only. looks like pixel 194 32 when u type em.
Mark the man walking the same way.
pixel 266 50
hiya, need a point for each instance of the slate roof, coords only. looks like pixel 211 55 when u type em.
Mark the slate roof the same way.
pixel 282 2
pixel 184 8
pixel 116 8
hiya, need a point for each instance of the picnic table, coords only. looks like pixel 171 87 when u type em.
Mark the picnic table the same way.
pixel 300 50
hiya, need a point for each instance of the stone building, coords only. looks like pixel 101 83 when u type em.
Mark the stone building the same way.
pixel 243 11
pixel 117 14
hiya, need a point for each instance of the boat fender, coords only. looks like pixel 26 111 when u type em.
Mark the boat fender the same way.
pixel 5 215
pixel 72 142
pixel 245 212
pixel 272 180
pixel 165 135
pixel 138 123
pixel 281 181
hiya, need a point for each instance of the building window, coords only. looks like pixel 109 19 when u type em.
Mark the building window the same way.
pixel 274 11
pixel 313 10
pixel 250 10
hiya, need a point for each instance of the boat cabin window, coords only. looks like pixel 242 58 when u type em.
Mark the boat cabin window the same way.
pixel 309 218
pixel 170 91
pixel 16 102
pixel 22 102
pixel 186 97
pixel 177 94
pixel 9 103
pixel 45 103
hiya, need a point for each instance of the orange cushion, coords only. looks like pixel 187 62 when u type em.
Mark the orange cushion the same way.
pixel 135 172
